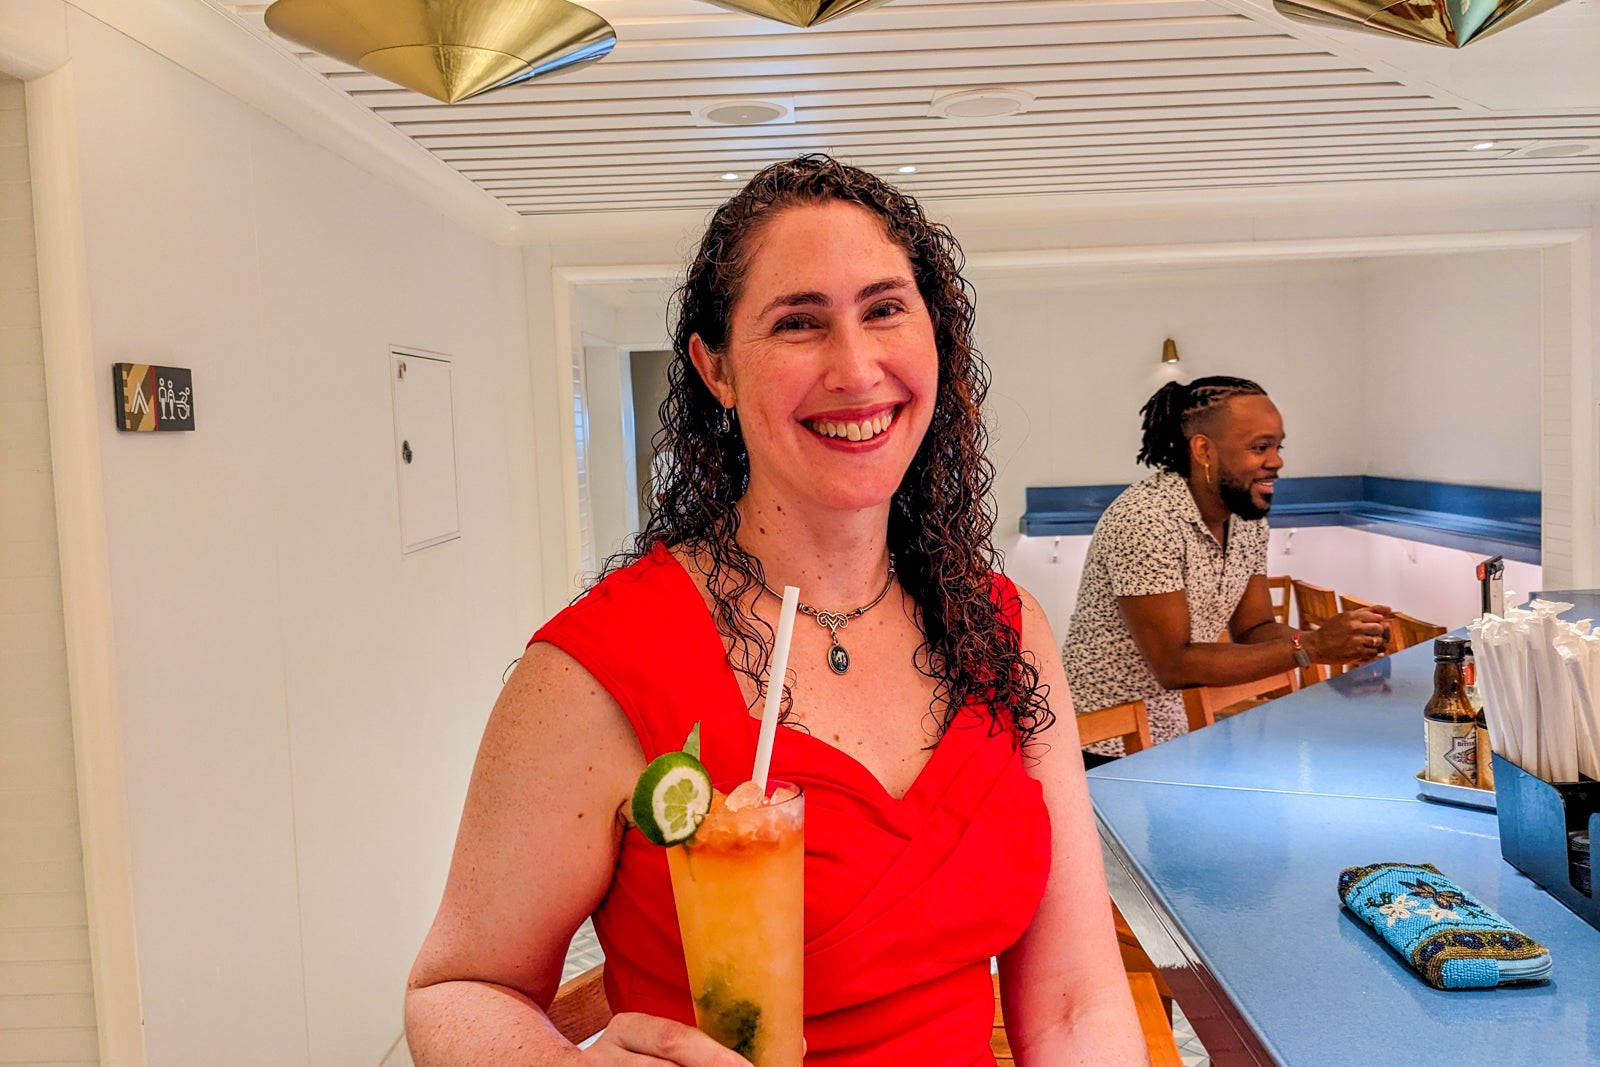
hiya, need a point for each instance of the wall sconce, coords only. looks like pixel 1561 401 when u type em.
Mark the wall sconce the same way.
pixel 447 49
pixel 1169 351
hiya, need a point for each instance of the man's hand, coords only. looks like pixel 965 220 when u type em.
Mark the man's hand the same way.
pixel 1350 636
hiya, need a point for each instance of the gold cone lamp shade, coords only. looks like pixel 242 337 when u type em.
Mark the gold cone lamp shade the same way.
pixel 447 49
pixel 1450 23
pixel 797 12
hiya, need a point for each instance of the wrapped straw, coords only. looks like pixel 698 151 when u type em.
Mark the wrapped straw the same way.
pixel 1540 678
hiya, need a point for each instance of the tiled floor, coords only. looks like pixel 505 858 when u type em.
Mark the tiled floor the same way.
pixel 585 953
pixel 1194 1053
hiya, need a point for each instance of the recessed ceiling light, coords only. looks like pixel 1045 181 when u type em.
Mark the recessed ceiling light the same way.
pixel 980 103
pixel 908 169
pixel 1556 149
pixel 745 112
pixel 730 176
pixel 1482 146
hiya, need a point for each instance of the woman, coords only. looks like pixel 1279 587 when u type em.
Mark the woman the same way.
pixel 824 419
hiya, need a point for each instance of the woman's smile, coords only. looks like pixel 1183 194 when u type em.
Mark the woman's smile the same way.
pixel 839 427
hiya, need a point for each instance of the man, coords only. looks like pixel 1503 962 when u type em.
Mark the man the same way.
pixel 1181 556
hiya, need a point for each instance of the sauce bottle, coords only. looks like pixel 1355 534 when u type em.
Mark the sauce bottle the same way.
pixel 1449 721
pixel 1481 727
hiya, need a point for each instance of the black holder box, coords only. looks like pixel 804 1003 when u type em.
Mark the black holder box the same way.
pixel 1535 818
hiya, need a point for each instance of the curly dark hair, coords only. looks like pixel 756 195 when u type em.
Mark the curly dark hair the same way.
pixel 1177 412
pixel 940 519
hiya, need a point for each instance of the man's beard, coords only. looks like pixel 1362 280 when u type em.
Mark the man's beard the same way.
pixel 1237 499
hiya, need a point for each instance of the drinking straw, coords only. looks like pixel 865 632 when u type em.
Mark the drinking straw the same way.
pixel 775 676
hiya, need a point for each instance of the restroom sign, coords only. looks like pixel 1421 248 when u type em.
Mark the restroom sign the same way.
pixel 153 398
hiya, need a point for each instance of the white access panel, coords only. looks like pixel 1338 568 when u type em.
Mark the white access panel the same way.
pixel 425 449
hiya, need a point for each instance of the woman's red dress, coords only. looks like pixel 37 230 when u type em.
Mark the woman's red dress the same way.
pixel 905 900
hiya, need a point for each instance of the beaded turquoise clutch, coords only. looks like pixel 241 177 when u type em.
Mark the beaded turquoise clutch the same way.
pixel 1440 929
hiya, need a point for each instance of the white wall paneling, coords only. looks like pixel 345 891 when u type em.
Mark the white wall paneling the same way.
pixel 47 1010
pixel 280 707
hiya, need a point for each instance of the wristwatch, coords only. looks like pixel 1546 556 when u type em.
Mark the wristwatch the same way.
pixel 1302 658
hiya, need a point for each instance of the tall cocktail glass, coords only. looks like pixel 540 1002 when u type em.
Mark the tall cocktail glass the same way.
pixel 738 887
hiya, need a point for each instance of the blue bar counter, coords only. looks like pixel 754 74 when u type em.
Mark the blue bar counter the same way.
pixel 1223 851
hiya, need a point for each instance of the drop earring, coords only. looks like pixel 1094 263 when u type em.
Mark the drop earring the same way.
pixel 724 426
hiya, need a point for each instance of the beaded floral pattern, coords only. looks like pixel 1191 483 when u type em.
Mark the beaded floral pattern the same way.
pixel 1443 931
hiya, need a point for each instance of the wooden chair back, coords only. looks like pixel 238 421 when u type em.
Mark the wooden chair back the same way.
pixel 1207 703
pixel 1154 1021
pixel 1405 631
pixel 580 1009
pixel 1130 721
pixel 1315 604
pixel 1281 589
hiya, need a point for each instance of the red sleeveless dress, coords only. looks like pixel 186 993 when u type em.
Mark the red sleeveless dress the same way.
pixel 905 900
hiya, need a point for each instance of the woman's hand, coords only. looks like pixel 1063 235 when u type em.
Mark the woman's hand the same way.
pixel 635 1040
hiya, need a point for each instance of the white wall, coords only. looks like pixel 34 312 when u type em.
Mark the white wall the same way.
pixel 300 704
pixel 1073 363
pixel 1452 368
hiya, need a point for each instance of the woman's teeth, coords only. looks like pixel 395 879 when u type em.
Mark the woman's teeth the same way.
pixel 853 431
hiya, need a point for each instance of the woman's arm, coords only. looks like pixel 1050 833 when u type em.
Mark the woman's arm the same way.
pixel 1065 995
pixel 534 855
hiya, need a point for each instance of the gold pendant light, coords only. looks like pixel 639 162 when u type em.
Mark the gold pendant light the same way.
pixel 797 12
pixel 1450 23
pixel 447 49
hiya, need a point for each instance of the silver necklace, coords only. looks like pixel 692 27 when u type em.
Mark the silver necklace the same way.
pixel 838 658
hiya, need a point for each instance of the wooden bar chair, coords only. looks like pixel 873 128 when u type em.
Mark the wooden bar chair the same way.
pixel 1354 603
pixel 1154 1022
pixel 1315 605
pixel 1205 704
pixel 1131 722
pixel 1281 589
pixel 580 1011
pixel 1405 631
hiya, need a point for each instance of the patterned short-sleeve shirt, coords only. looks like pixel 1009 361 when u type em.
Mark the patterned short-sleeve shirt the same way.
pixel 1152 540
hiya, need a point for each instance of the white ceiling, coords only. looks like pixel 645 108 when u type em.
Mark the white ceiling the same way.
pixel 1165 96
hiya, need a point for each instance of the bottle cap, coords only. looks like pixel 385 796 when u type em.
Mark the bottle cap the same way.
pixel 1453 649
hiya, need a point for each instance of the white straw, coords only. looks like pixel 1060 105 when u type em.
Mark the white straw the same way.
pixel 775 676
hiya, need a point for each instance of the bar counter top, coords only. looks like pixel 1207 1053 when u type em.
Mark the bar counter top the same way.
pixel 1224 848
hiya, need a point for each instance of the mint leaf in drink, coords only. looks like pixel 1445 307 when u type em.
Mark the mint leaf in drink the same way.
pixel 731 1022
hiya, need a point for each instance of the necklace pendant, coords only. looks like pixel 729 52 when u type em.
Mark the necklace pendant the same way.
pixel 838 658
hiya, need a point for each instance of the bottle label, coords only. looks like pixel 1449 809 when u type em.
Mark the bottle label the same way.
pixel 1452 752
pixel 1485 760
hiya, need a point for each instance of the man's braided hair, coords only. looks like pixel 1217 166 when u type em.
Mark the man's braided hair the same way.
pixel 1177 412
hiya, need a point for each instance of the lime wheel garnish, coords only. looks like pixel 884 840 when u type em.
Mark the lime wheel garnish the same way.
pixel 671 797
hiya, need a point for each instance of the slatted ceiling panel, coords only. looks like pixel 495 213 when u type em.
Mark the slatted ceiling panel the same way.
pixel 1160 95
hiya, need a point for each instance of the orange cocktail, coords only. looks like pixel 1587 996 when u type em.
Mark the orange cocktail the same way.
pixel 738 887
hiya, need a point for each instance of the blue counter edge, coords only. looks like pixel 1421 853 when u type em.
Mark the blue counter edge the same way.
pixel 1472 518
